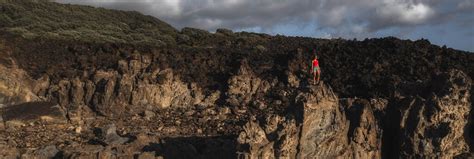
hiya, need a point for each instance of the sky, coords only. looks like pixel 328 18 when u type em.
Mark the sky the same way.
pixel 443 22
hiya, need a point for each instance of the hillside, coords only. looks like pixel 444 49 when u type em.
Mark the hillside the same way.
pixel 78 81
pixel 40 19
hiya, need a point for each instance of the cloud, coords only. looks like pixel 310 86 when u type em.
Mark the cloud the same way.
pixel 237 14
pixel 405 13
pixel 337 18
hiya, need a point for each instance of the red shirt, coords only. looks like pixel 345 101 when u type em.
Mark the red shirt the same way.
pixel 315 63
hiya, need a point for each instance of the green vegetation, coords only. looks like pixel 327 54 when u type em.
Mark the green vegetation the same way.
pixel 42 19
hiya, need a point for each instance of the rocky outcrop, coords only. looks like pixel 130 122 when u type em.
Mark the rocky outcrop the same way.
pixel 197 94
pixel 16 86
pixel 295 120
pixel 317 127
pixel 135 83
pixel 432 120
pixel 244 85
pixel 324 126
pixel 365 129
pixel 435 126
pixel 22 114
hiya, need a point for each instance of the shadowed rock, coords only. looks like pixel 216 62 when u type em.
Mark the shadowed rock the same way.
pixel 34 111
pixel 46 152
pixel 435 126
pixel 108 134
pixel 254 88
pixel 2 123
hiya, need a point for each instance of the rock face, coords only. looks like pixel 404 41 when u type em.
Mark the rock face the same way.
pixel 324 127
pixel 15 87
pixel 353 128
pixel 197 94
pixel 110 92
pixel 318 127
pixel 435 126
pixel 243 85
pixel 365 130
pixel 297 120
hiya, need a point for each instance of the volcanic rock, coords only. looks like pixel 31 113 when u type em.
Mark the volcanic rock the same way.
pixel 8 152
pixel 108 134
pixel 67 84
pixel 2 123
pixel 324 126
pixel 25 113
pixel 435 126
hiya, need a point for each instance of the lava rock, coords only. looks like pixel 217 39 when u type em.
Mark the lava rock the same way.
pixel 2 123
pixel 25 113
pixel 8 152
pixel 147 155
pixel 108 134
pixel 442 119
pixel 148 114
pixel 47 152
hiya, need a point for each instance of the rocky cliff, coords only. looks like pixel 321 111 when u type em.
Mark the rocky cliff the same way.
pixel 156 92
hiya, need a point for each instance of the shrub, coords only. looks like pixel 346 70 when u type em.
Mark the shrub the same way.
pixel 32 19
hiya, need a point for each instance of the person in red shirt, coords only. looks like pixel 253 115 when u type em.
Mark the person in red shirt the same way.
pixel 315 70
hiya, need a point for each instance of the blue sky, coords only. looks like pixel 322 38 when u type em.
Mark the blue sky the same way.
pixel 443 22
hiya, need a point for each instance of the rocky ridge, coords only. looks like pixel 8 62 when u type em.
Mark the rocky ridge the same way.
pixel 233 95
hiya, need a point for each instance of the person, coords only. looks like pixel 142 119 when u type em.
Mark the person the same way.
pixel 315 70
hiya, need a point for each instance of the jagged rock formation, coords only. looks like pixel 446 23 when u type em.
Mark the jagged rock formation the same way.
pixel 195 94
pixel 317 127
pixel 435 126
pixel 425 130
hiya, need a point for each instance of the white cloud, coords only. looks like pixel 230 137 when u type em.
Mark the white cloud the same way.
pixel 405 12
pixel 346 18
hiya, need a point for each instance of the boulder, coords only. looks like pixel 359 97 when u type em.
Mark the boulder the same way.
pixel 46 112
pixel 82 151
pixel 147 114
pixel 15 86
pixel 45 152
pixel 108 134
